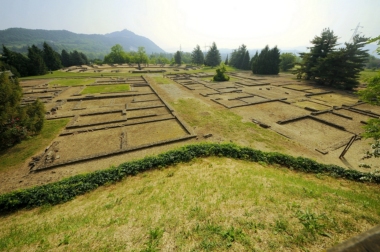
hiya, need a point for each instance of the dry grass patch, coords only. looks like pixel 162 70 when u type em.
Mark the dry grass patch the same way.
pixel 211 204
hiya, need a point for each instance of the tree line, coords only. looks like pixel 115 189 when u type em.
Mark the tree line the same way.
pixel 39 61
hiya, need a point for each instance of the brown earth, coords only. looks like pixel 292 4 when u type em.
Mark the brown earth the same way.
pixel 299 138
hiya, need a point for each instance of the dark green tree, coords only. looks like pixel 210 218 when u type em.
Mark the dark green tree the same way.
pixel 177 58
pixel 226 61
pixel 65 58
pixel 52 58
pixel 36 62
pixel 16 62
pixel 197 56
pixel 246 61
pixel 267 62
pixel 322 46
pixel 213 56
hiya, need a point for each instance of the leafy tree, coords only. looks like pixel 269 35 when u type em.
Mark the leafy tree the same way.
pixel 288 61
pixel 36 62
pixel 17 122
pixel 213 56
pixel 52 58
pixel 197 56
pixel 373 63
pixel 141 56
pixel 117 55
pixel 177 58
pixel 267 62
pixel 221 74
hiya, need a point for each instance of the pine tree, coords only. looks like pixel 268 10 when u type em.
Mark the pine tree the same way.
pixel 18 63
pixel 267 62
pixel 226 61
pixel 197 56
pixel 36 62
pixel 65 59
pixel 245 62
pixel 213 56
pixel 177 58
pixel 52 58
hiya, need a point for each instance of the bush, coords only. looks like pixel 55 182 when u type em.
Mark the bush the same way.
pixel 220 74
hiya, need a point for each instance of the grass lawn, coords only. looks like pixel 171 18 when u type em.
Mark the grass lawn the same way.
pixel 18 154
pixel 106 89
pixel 209 204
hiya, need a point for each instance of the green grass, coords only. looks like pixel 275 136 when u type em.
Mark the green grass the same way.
pixel 225 124
pixel 106 89
pixel 368 73
pixel 18 154
pixel 209 204
pixel 161 80
pixel 71 82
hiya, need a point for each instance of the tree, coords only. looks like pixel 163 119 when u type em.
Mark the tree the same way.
pixel 36 62
pixel 267 62
pixel 117 55
pixel 331 66
pixel 226 61
pixel 221 74
pixel 17 122
pixel 197 56
pixel 141 56
pixel 245 62
pixel 177 58
pixel 16 62
pixel 240 58
pixel 65 58
pixel 51 58
pixel 372 95
pixel 213 56
pixel 288 61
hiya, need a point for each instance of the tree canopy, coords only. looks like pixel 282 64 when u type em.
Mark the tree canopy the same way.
pixel 288 61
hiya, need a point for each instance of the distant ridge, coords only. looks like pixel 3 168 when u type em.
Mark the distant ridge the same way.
pixel 93 45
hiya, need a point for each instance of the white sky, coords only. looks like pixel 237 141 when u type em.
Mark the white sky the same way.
pixel 171 23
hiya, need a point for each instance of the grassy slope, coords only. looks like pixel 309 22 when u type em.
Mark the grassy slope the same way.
pixel 208 204
pixel 13 157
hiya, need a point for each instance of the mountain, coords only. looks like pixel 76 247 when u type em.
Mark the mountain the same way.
pixel 93 45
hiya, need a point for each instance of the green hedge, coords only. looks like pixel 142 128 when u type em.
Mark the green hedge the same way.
pixel 69 188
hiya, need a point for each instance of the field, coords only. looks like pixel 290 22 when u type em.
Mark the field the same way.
pixel 104 116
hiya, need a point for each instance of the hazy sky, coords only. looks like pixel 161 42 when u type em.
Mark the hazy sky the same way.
pixel 171 23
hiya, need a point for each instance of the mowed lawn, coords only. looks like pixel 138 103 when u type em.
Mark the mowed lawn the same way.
pixel 208 204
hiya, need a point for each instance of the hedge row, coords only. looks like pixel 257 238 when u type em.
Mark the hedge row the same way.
pixel 67 189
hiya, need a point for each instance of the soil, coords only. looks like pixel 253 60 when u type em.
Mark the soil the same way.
pixel 304 136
